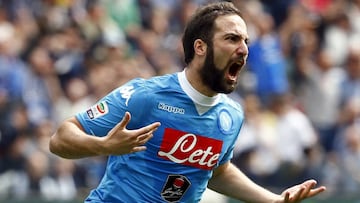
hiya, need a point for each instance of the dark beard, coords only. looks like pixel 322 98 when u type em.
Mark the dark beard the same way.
pixel 212 76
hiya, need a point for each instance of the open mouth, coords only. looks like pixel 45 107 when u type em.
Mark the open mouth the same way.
pixel 234 69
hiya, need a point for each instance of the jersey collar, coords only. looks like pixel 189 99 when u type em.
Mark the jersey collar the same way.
pixel 203 103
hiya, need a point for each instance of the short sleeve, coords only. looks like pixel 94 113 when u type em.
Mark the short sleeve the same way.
pixel 100 118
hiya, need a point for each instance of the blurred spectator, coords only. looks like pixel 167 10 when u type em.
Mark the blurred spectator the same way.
pixel 266 60
pixel 42 86
pixel 15 132
pixel 350 94
pixel 102 78
pixel 254 151
pixel 13 70
pixel 76 98
pixel 348 138
pixel 275 142
pixel 295 143
pixel 67 50
pixel 348 158
pixel 300 40
pixel 98 27
pixel 278 9
pixel 320 95
pixel 337 39
pixel 126 15
pixel 354 15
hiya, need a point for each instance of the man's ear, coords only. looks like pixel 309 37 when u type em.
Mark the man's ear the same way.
pixel 200 47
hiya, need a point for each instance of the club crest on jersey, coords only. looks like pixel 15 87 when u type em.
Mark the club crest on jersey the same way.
pixel 174 188
pixel 225 121
pixel 189 149
pixel 98 110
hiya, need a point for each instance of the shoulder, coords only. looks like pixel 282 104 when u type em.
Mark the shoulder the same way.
pixel 231 103
pixel 140 88
pixel 232 107
pixel 156 82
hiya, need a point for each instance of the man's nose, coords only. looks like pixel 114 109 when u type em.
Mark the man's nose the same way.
pixel 242 49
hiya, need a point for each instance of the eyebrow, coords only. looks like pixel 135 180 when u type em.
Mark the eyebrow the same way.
pixel 243 36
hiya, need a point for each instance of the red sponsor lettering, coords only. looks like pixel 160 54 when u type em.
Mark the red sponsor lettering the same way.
pixel 189 149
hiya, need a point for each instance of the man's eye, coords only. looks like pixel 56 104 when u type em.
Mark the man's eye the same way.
pixel 233 38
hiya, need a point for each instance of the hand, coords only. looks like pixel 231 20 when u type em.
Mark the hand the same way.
pixel 300 192
pixel 120 140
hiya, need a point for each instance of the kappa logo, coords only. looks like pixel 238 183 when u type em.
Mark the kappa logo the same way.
pixel 171 109
pixel 98 110
pixel 189 149
pixel 174 188
pixel 126 92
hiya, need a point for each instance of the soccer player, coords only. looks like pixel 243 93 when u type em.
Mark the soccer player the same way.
pixel 169 137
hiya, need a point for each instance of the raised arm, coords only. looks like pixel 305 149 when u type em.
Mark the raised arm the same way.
pixel 70 141
pixel 230 181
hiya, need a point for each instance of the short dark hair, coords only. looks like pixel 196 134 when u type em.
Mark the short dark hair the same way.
pixel 201 25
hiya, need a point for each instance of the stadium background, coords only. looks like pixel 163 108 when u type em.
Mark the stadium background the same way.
pixel 300 89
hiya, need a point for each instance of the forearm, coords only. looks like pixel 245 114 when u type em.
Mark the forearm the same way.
pixel 233 183
pixel 69 141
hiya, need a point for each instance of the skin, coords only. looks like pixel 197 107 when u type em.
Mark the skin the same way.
pixel 71 142
pixel 229 46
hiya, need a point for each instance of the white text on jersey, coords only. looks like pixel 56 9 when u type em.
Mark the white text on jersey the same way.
pixel 171 109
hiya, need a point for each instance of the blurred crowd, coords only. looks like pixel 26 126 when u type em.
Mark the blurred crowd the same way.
pixel 300 90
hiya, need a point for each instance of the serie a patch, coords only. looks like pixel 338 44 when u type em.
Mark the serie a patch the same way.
pixel 98 110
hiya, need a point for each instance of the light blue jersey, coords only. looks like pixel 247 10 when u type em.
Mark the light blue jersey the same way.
pixel 197 134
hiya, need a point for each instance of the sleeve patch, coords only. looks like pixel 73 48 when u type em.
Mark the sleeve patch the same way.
pixel 98 110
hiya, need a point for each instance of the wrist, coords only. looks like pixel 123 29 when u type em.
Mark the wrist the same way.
pixel 278 199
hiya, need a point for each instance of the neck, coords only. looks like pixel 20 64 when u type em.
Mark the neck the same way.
pixel 194 78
